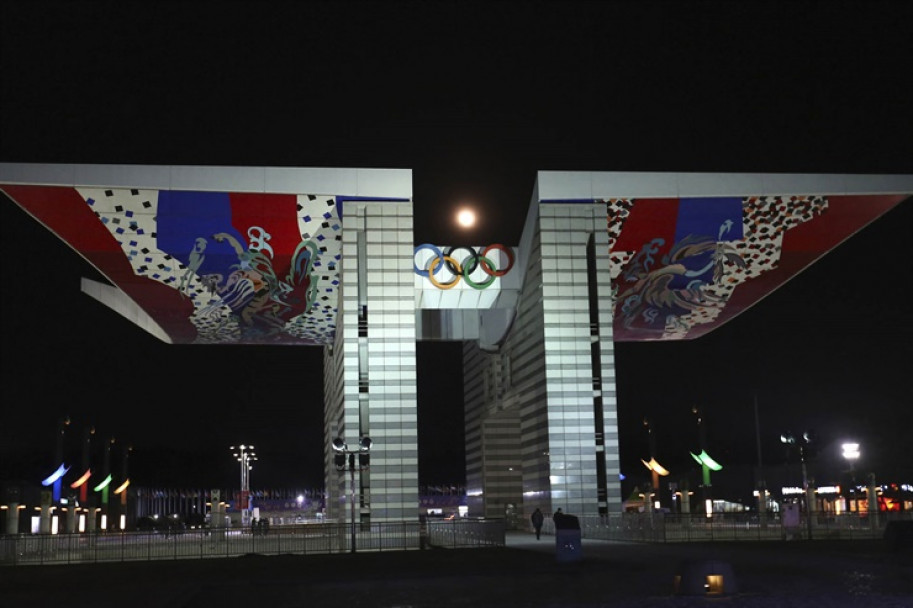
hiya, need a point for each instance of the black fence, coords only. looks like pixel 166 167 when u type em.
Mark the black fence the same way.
pixel 317 538
pixel 671 528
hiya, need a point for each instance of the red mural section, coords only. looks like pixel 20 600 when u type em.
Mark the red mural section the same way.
pixel 65 213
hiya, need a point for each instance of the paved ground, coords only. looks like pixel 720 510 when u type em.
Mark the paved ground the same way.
pixel 526 573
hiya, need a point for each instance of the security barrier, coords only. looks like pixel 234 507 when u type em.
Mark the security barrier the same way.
pixel 748 526
pixel 461 533
pixel 322 538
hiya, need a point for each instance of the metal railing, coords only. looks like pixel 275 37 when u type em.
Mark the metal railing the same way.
pixel 464 533
pixel 322 538
pixel 672 528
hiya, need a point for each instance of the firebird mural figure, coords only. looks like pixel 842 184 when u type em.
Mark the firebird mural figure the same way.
pixel 717 245
pixel 254 268
pixel 659 296
pixel 261 301
pixel 196 257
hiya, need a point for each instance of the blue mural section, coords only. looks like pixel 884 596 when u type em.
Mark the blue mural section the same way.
pixel 186 225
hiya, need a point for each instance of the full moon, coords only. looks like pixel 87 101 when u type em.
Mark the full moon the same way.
pixel 466 218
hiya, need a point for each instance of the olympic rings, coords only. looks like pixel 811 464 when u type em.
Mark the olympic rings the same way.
pixel 450 262
pixel 437 255
pixel 473 253
pixel 464 269
pixel 510 260
pixel 491 277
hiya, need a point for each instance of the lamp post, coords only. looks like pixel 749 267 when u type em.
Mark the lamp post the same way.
pixel 851 454
pixel 121 490
pixel 802 443
pixel 55 479
pixel 62 425
pixel 702 439
pixel 245 455
pixel 707 463
pixel 104 483
pixel 342 450
pixel 654 467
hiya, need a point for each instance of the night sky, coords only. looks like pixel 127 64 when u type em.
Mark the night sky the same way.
pixel 474 98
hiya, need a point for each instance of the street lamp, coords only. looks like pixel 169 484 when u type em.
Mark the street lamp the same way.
pixel 364 458
pixel 245 455
pixel 654 467
pixel 851 454
pixel 802 444
pixel 55 479
pixel 707 463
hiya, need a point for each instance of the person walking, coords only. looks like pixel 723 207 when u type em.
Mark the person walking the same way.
pixel 537 518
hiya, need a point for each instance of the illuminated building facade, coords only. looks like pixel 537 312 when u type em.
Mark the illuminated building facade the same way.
pixel 327 258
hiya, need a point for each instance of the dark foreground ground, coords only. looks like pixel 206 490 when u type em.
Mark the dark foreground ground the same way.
pixel 526 573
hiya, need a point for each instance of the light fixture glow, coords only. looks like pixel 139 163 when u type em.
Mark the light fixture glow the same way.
pixel 850 451
pixel 704 459
pixel 60 472
pixel 82 480
pixel 655 467
pixel 104 483
pixel 122 487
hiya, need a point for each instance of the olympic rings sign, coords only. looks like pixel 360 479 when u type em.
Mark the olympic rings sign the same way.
pixel 464 266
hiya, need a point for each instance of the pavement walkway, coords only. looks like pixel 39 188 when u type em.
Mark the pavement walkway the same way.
pixel 526 573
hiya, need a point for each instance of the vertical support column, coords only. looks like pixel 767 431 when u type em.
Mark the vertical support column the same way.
pixel 572 399
pixel 474 411
pixel 12 518
pixel 602 307
pixel 563 372
pixel 372 364
pixel 872 502
pixel 71 516
pixel 501 464
pixel 44 518
pixel 494 436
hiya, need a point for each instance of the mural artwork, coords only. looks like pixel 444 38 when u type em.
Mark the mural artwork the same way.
pixel 681 267
pixel 211 267
pixel 240 268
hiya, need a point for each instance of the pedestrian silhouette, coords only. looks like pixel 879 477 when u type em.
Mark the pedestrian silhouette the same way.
pixel 537 518
pixel 557 518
